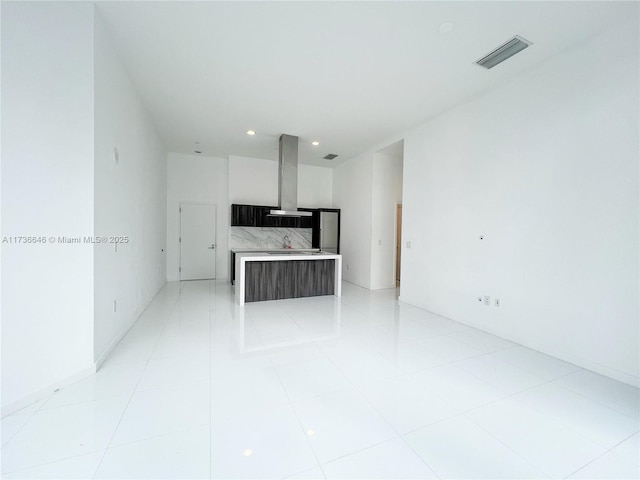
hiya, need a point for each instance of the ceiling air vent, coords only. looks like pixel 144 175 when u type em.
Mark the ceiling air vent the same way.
pixel 330 156
pixel 500 54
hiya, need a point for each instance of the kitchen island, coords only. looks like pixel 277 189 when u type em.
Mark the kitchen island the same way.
pixel 277 275
pixel 234 251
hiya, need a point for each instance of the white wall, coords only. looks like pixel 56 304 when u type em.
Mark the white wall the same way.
pixel 254 181
pixel 315 186
pixel 352 194
pixel 47 190
pixel 130 200
pixel 386 194
pixel 198 179
pixel 546 168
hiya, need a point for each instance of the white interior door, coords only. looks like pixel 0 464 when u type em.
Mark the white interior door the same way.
pixel 197 241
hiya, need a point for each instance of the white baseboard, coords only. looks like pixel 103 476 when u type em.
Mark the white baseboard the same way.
pixel 45 392
pixel 383 287
pixel 107 351
pixel 587 364
pixel 409 302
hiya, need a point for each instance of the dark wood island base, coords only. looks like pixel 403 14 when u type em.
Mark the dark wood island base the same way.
pixel 275 276
pixel 288 279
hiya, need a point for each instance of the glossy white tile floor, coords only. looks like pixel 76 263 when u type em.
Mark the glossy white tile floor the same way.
pixel 357 387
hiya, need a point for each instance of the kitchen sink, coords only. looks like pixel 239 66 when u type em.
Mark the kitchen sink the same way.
pixel 289 253
pixel 295 253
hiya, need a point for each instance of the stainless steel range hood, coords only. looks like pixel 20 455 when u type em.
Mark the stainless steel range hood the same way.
pixel 288 179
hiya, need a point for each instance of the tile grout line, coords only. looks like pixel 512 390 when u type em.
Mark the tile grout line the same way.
pixel 560 421
pixel 544 381
pixel 540 412
pixel 33 414
pixel 284 389
pixel 498 439
pixel 189 295
pixel 399 435
pixel 300 421
pixel 49 463
pixel 210 385
pixel 63 406
pixel 460 412
pixel 133 392
pixel 602 455
pixel 511 396
pixel 404 440
pixel 590 398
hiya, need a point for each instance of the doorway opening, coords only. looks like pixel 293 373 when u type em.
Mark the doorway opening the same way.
pixel 398 242
pixel 387 182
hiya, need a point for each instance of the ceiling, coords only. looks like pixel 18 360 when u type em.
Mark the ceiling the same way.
pixel 351 75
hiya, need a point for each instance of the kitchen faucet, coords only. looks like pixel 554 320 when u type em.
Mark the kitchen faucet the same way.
pixel 286 243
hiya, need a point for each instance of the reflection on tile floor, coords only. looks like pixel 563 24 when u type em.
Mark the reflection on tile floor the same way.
pixel 356 387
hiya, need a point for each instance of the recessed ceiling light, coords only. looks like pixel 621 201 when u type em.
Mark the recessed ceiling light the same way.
pixel 315 144
pixel 446 27
pixel 247 452
pixel 251 132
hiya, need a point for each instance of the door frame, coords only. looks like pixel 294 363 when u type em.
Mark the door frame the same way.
pixel 215 224
pixel 397 260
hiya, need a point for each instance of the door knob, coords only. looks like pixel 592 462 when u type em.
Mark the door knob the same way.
pixel 211 247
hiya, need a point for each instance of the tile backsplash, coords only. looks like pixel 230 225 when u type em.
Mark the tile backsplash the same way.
pixel 269 237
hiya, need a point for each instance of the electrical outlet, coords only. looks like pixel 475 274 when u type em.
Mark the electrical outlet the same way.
pixel 487 300
pixel 496 302
pixel 379 242
pixel 115 306
pixel 409 244
pixel 347 266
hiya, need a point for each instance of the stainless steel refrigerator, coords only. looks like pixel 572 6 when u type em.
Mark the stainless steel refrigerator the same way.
pixel 329 232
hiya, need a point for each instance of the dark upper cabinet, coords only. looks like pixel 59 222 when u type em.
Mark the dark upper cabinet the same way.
pixel 267 220
pixel 258 216
pixel 261 213
pixel 290 222
pixel 308 222
pixel 242 215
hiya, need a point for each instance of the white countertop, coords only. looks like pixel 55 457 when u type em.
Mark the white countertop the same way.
pixel 242 250
pixel 284 255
